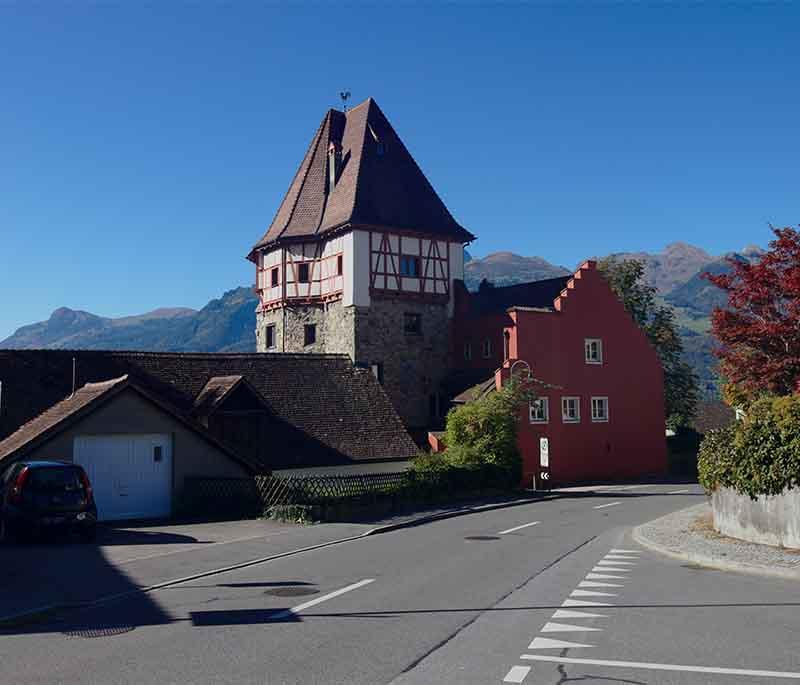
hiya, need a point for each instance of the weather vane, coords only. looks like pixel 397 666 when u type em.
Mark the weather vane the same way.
pixel 345 95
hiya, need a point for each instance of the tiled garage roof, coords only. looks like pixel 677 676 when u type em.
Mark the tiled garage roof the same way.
pixel 337 413
pixel 83 401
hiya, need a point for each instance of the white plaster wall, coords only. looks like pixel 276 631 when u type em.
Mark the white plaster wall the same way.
pixel 456 270
pixel 356 269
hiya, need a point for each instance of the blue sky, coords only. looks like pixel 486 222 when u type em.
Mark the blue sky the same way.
pixel 143 150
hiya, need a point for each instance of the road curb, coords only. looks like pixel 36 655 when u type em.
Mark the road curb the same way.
pixel 32 614
pixel 712 561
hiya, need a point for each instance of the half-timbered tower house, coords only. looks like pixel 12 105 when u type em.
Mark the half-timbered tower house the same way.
pixel 361 259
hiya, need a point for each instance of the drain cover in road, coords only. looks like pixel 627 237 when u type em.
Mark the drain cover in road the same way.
pixel 98 632
pixel 292 591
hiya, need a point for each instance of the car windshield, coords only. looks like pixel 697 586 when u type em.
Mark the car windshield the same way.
pixel 55 479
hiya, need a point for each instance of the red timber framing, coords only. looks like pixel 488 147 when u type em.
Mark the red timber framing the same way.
pixel 290 288
pixel 434 268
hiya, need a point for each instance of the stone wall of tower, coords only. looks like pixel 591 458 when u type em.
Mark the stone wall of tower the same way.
pixel 412 366
pixel 334 327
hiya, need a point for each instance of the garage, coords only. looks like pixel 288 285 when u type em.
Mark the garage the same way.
pixel 131 474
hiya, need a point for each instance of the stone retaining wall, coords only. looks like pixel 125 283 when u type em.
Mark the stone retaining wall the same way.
pixel 773 520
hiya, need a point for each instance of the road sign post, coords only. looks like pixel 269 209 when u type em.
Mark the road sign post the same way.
pixel 544 463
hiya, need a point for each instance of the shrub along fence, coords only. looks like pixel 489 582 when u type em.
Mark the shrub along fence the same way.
pixel 338 497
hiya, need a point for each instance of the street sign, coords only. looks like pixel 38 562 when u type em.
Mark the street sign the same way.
pixel 544 453
pixel 544 475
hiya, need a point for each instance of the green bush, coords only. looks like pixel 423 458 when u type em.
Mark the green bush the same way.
pixel 759 455
pixel 485 431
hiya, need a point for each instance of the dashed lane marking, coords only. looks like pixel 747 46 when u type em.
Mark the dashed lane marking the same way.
pixel 678 492
pixel 592 583
pixel 624 551
pixel 547 643
pixel 604 506
pixel 591 593
pixel 752 673
pixel 603 576
pixel 610 569
pixel 516 528
pixel 566 613
pixel 566 628
pixel 617 562
pixel 517 674
pixel 584 603
pixel 320 600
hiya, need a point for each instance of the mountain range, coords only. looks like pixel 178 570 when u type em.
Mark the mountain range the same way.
pixel 227 324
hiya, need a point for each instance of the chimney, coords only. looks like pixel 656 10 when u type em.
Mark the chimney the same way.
pixel 334 164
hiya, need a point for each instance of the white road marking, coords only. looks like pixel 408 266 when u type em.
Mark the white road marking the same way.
pixel 547 643
pixel 603 562
pixel 517 674
pixel 566 613
pixel 624 551
pixel 665 667
pixel 612 569
pixel 678 492
pixel 524 525
pixel 601 576
pixel 583 603
pixel 591 593
pixel 621 557
pixel 603 506
pixel 566 628
pixel 320 600
pixel 636 487
pixel 591 583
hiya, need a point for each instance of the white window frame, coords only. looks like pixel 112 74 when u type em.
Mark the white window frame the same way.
pixel 468 351
pixel 587 342
pixel 546 410
pixel 486 348
pixel 604 400
pixel 565 418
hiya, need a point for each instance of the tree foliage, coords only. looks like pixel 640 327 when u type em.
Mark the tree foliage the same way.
pixel 484 431
pixel 759 455
pixel 626 278
pixel 759 330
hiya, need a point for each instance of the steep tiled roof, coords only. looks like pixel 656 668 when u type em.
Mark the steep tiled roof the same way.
pixel 45 423
pixel 84 400
pixel 494 299
pixel 337 412
pixel 379 184
pixel 213 392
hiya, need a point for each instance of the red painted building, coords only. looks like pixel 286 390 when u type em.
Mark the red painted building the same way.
pixel 604 415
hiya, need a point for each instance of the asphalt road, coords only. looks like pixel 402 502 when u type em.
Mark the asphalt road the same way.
pixel 473 599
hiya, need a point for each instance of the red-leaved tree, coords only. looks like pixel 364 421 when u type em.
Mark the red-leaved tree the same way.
pixel 759 330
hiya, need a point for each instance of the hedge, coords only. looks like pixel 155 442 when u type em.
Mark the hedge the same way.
pixel 759 455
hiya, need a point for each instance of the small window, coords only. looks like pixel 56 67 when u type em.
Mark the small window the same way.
pixel 594 350
pixel 409 266
pixel 158 453
pixel 486 348
pixel 302 272
pixel 377 371
pixel 540 410
pixel 506 345
pixel 271 336
pixel 599 409
pixel 274 276
pixel 309 334
pixel 339 265
pixel 412 324
pixel 570 409
pixel 467 351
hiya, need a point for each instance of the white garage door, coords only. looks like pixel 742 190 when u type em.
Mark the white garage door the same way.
pixel 131 474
